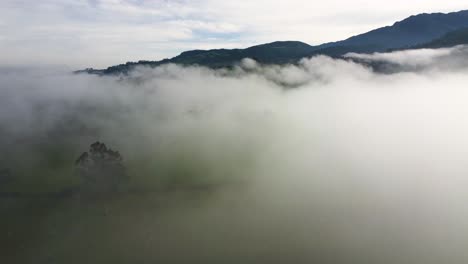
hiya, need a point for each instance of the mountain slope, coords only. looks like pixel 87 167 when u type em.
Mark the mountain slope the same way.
pixel 278 52
pixel 454 38
pixel 409 32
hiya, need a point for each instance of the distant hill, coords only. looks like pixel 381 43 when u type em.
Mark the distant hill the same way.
pixel 436 30
pixel 415 30
pixel 454 38
pixel 279 52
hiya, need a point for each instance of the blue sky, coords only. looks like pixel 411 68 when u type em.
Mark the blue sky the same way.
pixel 99 33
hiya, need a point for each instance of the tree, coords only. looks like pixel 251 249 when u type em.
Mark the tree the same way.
pixel 5 176
pixel 101 169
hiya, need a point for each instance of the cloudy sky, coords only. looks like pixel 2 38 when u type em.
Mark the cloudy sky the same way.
pixel 99 33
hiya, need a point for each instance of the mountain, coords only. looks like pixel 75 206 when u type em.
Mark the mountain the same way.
pixel 415 30
pixel 279 52
pixel 410 32
pixel 454 38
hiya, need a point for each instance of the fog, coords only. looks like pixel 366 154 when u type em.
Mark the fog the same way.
pixel 326 161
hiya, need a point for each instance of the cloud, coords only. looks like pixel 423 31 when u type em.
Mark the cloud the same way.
pixel 323 161
pixel 448 59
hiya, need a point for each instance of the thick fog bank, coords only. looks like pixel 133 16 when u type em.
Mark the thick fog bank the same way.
pixel 325 161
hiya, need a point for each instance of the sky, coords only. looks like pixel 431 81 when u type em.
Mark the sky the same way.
pixel 100 33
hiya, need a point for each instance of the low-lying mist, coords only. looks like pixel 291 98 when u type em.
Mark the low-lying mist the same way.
pixel 326 161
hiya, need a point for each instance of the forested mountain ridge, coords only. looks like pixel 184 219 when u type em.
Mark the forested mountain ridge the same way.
pixel 419 31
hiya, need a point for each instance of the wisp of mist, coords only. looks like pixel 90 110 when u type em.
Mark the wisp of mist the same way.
pixel 326 161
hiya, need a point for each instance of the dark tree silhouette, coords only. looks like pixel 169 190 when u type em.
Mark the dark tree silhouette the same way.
pixel 101 169
pixel 5 176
